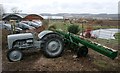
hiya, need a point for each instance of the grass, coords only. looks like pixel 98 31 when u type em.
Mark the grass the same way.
pixel 106 41
pixel 103 27
pixel 60 25
pixel 104 65
pixel 63 26
pixel 100 63
pixel 117 35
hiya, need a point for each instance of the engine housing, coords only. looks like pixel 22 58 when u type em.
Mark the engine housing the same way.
pixel 14 37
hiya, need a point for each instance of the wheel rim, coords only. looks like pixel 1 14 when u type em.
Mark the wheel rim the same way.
pixel 15 55
pixel 54 47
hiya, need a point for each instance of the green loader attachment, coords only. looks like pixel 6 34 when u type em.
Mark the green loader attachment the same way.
pixel 76 40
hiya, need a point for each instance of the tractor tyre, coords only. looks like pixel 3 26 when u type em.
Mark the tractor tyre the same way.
pixel 82 51
pixel 14 55
pixel 52 45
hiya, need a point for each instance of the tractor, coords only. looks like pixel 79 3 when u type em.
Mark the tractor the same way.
pixel 52 43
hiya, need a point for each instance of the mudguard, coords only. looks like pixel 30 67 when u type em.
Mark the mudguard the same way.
pixel 43 33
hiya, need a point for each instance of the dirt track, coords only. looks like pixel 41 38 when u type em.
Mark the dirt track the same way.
pixel 35 61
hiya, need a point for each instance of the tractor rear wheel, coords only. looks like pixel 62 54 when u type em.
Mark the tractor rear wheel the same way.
pixel 52 45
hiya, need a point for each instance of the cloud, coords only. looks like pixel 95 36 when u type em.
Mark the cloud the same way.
pixel 63 6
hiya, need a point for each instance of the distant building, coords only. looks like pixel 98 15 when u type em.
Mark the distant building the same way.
pixel 53 17
pixel 8 17
pixel 20 17
pixel 31 17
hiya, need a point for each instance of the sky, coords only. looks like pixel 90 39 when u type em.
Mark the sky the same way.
pixel 62 6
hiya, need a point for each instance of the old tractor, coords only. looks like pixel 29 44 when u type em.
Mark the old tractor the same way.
pixel 52 43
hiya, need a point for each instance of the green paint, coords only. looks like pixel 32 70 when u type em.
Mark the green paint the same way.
pixel 74 39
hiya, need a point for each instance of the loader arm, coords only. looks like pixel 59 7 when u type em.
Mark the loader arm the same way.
pixel 111 53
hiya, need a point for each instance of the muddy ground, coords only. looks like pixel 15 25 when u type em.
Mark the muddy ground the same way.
pixel 36 61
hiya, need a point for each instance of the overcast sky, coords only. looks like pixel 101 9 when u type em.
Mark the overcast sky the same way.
pixel 62 6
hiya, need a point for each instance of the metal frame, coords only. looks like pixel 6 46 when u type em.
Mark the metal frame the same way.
pixel 74 39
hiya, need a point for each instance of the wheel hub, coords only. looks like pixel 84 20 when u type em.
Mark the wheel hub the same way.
pixel 53 45
pixel 15 55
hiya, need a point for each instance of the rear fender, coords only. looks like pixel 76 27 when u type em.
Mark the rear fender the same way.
pixel 44 33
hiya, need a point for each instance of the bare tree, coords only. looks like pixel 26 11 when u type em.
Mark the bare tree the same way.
pixel 15 10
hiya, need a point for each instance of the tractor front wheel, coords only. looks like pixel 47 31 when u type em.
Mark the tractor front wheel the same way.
pixel 14 55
